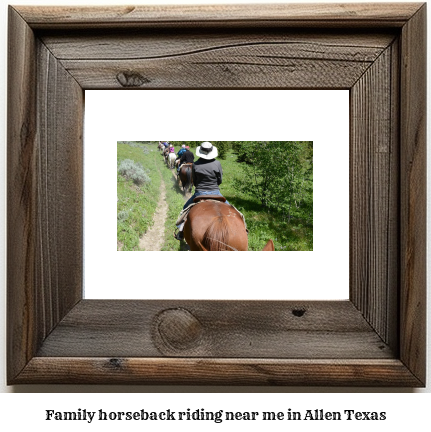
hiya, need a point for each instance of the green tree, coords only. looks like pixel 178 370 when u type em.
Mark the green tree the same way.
pixel 222 148
pixel 279 174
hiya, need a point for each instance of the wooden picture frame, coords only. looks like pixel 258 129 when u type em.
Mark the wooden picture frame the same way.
pixel 376 338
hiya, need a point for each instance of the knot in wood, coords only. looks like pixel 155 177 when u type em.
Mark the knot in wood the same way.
pixel 178 329
pixel 115 363
pixel 131 79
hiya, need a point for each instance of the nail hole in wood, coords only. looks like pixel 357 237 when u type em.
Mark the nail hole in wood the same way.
pixel 298 312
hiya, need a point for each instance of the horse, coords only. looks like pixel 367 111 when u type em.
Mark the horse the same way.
pixel 171 160
pixel 165 154
pixel 161 147
pixel 216 226
pixel 185 175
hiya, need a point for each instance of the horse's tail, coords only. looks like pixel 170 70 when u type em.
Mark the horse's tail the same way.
pixel 189 177
pixel 216 237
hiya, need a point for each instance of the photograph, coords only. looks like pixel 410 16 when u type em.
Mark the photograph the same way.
pixel 215 195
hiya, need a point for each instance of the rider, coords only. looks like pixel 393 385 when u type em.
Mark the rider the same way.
pixel 166 148
pixel 186 157
pixel 170 149
pixel 181 151
pixel 207 176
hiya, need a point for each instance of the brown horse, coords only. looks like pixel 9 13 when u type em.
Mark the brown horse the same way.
pixel 216 226
pixel 185 175
pixel 165 154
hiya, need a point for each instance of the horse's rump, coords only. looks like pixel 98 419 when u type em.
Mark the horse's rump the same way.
pixel 171 160
pixel 186 176
pixel 215 226
pixel 216 237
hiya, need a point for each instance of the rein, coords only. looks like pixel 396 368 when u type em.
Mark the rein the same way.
pixel 223 244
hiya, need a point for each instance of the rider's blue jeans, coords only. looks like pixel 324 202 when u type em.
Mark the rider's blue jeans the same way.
pixel 198 193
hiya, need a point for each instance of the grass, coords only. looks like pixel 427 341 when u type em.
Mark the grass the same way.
pixel 136 204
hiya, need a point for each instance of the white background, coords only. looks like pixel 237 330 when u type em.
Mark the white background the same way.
pixel 247 115
pixel 27 410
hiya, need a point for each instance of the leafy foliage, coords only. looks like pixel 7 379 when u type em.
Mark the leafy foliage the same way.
pixel 222 147
pixel 264 223
pixel 280 175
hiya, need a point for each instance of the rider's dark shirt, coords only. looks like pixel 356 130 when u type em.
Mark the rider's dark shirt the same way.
pixel 207 174
pixel 187 157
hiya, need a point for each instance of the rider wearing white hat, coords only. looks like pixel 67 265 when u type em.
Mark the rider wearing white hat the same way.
pixel 207 175
pixel 207 151
pixel 207 172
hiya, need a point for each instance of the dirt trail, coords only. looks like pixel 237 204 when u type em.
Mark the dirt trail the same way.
pixel 153 239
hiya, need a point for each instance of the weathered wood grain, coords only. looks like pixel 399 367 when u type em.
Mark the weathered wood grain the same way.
pixel 197 371
pixel 413 194
pixel 231 72
pixel 253 59
pixel 374 195
pixel 59 245
pixel 21 194
pixel 140 44
pixel 44 193
pixel 235 329
pixel 375 15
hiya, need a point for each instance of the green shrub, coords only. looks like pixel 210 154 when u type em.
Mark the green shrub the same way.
pixel 133 171
pixel 222 147
pixel 122 216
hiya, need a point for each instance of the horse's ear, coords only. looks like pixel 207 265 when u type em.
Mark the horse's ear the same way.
pixel 269 246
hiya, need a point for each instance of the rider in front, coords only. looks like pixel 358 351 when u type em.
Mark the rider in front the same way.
pixel 186 157
pixel 180 152
pixel 207 176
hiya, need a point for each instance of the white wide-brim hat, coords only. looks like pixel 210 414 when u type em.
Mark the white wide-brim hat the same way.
pixel 207 151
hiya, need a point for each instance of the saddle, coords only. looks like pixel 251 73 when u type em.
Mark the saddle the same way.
pixel 211 197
